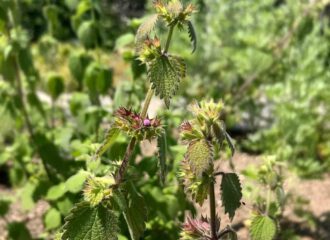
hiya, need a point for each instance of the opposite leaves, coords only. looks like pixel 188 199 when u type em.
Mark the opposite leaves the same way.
pixel 231 193
pixel 90 223
pixel 165 73
pixel 262 228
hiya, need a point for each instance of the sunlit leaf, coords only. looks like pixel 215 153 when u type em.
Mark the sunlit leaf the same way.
pixel 90 223
pixel 262 228
pixel 231 193
pixel 165 74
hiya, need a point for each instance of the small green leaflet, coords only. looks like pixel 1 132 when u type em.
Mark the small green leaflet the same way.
pixel 199 156
pixel 262 228
pixel 165 74
pixel 90 223
pixel 192 35
pixel 136 212
pixel 231 193
pixel 162 146
pixel 110 138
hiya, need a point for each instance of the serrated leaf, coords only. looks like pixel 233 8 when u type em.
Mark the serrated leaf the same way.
pixel 199 156
pixel 165 74
pixel 262 228
pixel 52 219
pixel 90 223
pixel 110 138
pixel 230 143
pixel 162 146
pixel 146 27
pixel 136 213
pixel 192 35
pixel 231 193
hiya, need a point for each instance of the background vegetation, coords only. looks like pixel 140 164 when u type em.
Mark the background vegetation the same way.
pixel 66 66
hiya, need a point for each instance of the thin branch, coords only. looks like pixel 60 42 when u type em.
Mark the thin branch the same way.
pixel 212 211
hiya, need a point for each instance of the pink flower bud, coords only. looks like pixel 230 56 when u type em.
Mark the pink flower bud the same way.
pixel 146 122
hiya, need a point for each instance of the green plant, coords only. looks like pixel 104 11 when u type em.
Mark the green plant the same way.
pixel 206 136
pixel 114 195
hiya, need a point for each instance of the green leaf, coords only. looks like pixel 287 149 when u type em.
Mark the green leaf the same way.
pixel 136 213
pixel 76 182
pixel 18 231
pixel 55 192
pixel 52 219
pixel 162 148
pixel 4 206
pixel 145 28
pixel 110 139
pixel 88 33
pixel 55 85
pixel 90 223
pixel 165 74
pixel 192 35
pixel 199 156
pixel 98 78
pixel 78 64
pixel 231 193
pixel 230 143
pixel 262 228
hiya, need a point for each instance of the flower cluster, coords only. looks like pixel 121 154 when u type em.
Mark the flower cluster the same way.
pixel 151 49
pixel 135 125
pixel 195 229
pixel 173 12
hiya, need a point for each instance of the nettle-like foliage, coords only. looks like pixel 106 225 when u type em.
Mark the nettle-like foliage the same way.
pixel 268 210
pixel 108 197
pixel 206 136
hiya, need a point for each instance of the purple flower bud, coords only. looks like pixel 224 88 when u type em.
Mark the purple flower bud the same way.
pixel 146 122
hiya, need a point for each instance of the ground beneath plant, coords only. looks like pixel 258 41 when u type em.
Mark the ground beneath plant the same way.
pixel 316 192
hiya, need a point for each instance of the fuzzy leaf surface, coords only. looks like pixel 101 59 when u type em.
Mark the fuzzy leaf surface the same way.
pixel 162 146
pixel 199 156
pixel 145 28
pixel 231 193
pixel 262 228
pixel 165 74
pixel 90 223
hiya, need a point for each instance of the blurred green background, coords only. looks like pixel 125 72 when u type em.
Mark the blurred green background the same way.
pixel 66 65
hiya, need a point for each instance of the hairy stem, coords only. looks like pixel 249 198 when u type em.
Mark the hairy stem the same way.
pixel 129 150
pixel 147 101
pixel 212 211
pixel 169 37
pixel 122 169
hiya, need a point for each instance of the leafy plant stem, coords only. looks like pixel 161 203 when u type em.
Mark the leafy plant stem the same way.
pixel 169 37
pixel 122 169
pixel 212 211
pixel 129 150
pixel 147 101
